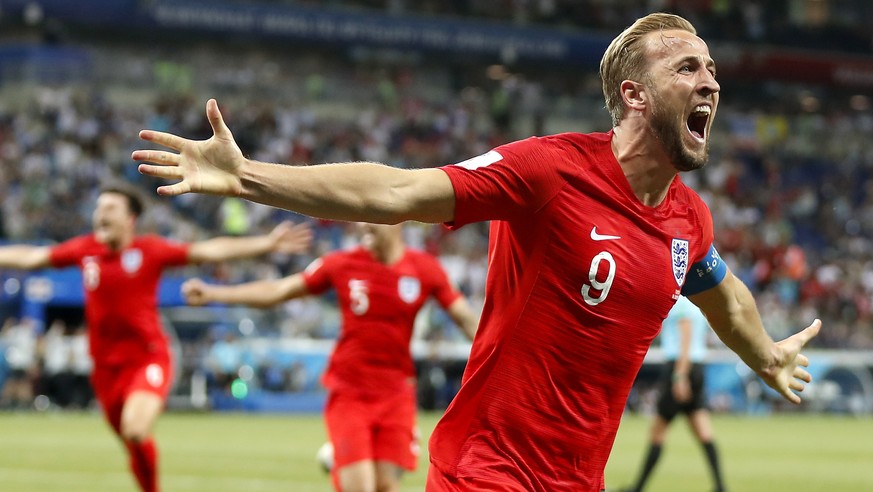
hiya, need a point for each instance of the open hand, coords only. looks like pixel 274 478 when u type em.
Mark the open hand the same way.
pixel 291 238
pixel 201 166
pixel 788 374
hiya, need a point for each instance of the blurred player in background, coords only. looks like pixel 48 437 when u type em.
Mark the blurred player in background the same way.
pixel 120 272
pixel 381 286
pixel 19 338
pixel 682 388
pixel 593 238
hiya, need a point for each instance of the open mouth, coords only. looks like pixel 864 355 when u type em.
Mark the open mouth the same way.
pixel 101 225
pixel 697 122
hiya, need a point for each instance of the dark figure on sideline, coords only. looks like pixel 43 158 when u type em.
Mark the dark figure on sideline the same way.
pixel 682 388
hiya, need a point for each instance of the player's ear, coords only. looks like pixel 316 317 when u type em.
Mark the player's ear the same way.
pixel 634 95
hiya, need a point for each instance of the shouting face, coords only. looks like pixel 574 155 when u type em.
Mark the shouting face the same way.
pixel 113 221
pixel 683 96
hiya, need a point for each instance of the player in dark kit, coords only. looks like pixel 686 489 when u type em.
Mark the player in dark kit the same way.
pixel 682 389
pixel 380 286
pixel 120 272
pixel 593 238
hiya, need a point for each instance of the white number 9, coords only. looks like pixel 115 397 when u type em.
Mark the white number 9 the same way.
pixel 604 286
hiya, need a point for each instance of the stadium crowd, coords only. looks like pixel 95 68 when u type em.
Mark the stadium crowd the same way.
pixel 819 25
pixel 788 182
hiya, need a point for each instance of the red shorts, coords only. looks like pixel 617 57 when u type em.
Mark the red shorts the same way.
pixel 369 427
pixel 113 384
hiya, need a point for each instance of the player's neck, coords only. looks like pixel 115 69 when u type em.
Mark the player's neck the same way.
pixel 643 162
pixel 390 253
pixel 120 243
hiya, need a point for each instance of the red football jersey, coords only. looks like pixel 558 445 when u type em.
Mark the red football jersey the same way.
pixel 121 289
pixel 379 304
pixel 581 275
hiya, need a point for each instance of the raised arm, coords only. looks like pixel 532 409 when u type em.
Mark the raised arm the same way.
pixel 284 238
pixel 260 293
pixel 463 316
pixel 731 311
pixel 364 191
pixel 25 257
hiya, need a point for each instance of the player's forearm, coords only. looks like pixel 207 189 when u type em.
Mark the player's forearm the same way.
pixel 740 327
pixel 260 294
pixel 229 248
pixel 463 316
pixel 24 257
pixel 682 366
pixel 363 191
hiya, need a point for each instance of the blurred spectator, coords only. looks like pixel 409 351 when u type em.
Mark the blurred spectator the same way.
pixel 81 365
pixel 224 360
pixel 19 339
pixel 57 364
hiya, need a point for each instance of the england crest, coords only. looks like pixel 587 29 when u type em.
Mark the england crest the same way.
pixel 409 289
pixel 679 253
pixel 131 260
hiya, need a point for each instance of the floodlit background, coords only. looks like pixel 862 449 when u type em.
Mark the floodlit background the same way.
pixel 421 84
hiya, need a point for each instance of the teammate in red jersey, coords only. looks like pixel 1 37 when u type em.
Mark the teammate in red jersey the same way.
pixel 380 286
pixel 593 238
pixel 120 272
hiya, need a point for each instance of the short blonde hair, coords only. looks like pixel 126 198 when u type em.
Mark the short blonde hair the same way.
pixel 625 60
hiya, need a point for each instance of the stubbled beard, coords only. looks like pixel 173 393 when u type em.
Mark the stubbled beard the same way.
pixel 664 128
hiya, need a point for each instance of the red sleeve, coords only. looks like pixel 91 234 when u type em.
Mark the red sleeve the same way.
pixel 70 252
pixel 707 235
pixel 317 276
pixel 171 253
pixel 507 182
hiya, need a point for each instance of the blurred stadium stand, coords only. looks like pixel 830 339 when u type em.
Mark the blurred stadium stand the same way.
pixel 420 84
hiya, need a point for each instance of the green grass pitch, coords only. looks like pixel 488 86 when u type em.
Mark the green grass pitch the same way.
pixel 245 452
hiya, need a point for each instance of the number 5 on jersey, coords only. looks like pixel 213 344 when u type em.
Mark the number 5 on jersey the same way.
pixel 359 296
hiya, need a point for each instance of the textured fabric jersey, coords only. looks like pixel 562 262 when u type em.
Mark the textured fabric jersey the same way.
pixel 379 304
pixel 581 276
pixel 671 339
pixel 121 288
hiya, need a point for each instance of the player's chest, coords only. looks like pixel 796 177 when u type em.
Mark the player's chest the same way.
pixel 367 291
pixel 609 254
pixel 114 270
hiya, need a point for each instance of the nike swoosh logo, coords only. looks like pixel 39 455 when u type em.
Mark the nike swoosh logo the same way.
pixel 601 237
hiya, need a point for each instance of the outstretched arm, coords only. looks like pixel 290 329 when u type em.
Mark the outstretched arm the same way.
pixel 284 238
pixel 463 316
pixel 731 311
pixel 261 293
pixel 363 191
pixel 25 257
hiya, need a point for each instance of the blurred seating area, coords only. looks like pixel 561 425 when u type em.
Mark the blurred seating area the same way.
pixel 788 180
pixel 829 25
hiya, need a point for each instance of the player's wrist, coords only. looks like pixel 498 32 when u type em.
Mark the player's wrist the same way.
pixel 679 376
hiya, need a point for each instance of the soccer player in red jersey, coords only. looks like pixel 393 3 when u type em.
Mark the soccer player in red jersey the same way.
pixel 593 238
pixel 380 286
pixel 121 270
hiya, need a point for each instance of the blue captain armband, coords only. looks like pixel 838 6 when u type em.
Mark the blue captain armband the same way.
pixel 705 274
